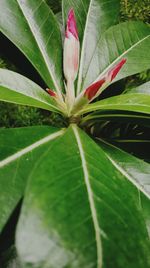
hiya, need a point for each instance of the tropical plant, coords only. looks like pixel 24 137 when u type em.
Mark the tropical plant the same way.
pixel 85 202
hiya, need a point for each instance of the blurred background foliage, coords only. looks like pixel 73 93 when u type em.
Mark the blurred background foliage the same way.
pixel 135 9
pixel 55 5
pixel 16 116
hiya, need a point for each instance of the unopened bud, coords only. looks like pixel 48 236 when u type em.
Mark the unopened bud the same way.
pixel 92 90
pixel 71 49
pixel 51 92
pixel 115 70
pixel 96 88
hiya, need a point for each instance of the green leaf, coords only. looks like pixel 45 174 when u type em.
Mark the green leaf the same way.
pixel 79 209
pixel 128 102
pixel 128 40
pixel 18 89
pixel 32 27
pixel 117 116
pixel 93 18
pixel 144 89
pixel 136 170
pixel 20 149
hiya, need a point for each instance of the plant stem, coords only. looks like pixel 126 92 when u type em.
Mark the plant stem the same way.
pixel 70 95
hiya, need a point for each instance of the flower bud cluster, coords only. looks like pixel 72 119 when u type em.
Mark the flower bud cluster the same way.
pixel 70 68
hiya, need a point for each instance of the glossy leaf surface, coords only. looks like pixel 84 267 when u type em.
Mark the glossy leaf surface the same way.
pixel 127 102
pixel 32 27
pixel 135 169
pixel 20 149
pixel 79 208
pixel 128 40
pixel 18 89
pixel 94 17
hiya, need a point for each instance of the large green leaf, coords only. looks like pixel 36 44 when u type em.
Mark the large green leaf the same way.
pixel 18 89
pixel 136 170
pixel 93 18
pixel 144 88
pixel 20 149
pixel 135 102
pixel 128 40
pixel 80 210
pixel 32 27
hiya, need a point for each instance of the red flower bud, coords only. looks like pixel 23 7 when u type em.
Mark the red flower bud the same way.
pixel 51 92
pixel 97 87
pixel 71 25
pixel 92 90
pixel 115 70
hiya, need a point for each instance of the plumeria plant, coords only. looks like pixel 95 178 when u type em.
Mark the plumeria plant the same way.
pixel 84 201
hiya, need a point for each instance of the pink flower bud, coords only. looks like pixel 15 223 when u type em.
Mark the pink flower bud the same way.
pixel 71 49
pixel 92 90
pixel 51 92
pixel 115 70
pixel 71 25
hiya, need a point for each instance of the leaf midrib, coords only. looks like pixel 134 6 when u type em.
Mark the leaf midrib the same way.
pixel 30 148
pixel 90 197
pixel 127 175
pixel 44 56
pixel 98 106
pixel 113 116
pixel 115 61
pixel 32 98
pixel 119 58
